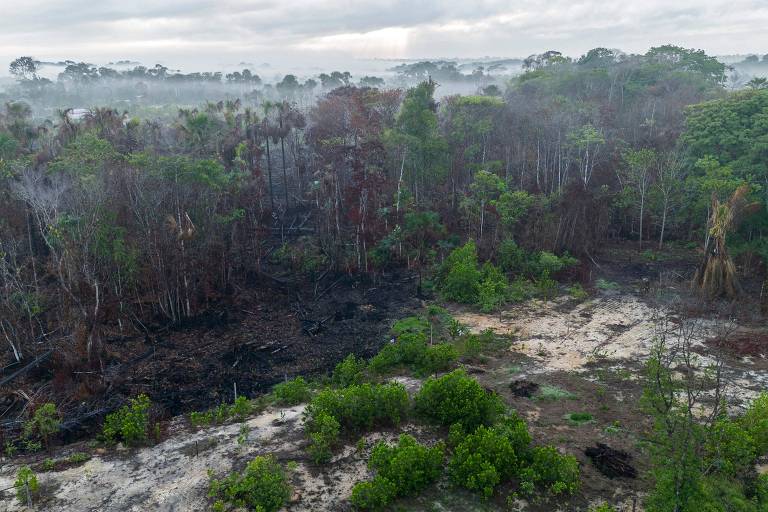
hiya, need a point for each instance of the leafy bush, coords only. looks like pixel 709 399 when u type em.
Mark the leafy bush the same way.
pixel 457 398
pixel 44 423
pixel 411 325
pixel 437 358
pixel 579 418
pixel 240 408
pixel 521 290
pixel 511 257
pixel 292 392
pixel 550 264
pixel 348 372
pixel 459 277
pixel 549 469
pixel 755 422
pixel 577 292
pixel 387 358
pixel 730 449
pixel 602 508
pixel 129 423
pixel 26 481
pixel 354 408
pixel 482 460
pixel 401 470
pixel 409 465
pixel 373 495
pixel 263 487
pixel 493 289
pixel 553 393
pixel 323 435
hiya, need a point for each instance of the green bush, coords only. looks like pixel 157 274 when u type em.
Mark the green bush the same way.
pixel 482 460
pixel 129 423
pixel 292 392
pixel 730 450
pixel 457 398
pixel 387 358
pixel 549 469
pixel 241 408
pixel 323 435
pixel 361 407
pixel 511 257
pixel 459 277
pixel 521 290
pixel 409 465
pixel 493 289
pixel 411 325
pixel 577 292
pixel 550 264
pixel 755 422
pixel 262 487
pixel 26 480
pixel 44 423
pixel 373 495
pixel 605 507
pixel 348 372
pixel 438 358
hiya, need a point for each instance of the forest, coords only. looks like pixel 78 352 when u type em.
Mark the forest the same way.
pixel 167 239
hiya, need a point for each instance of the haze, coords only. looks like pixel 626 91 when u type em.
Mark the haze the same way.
pixel 299 35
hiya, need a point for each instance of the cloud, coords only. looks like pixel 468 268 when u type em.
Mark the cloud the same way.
pixel 199 33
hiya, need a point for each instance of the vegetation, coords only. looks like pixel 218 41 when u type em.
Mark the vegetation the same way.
pixel 263 486
pixel 291 392
pixel 128 424
pixel 26 485
pixel 457 398
pixel 401 470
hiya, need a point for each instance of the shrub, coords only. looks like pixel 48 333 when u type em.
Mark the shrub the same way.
pixel 44 423
pixel 412 325
pixel 550 264
pixel 438 358
pixel 755 422
pixel 129 423
pixel 348 372
pixel 577 292
pixel 459 277
pixel 263 487
pixel 373 495
pixel 409 465
pixel 602 508
pixel 292 392
pixel 521 290
pixel 354 408
pixel 730 449
pixel 493 289
pixel 482 460
pixel 26 481
pixel 549 469
pixel 323 435
pixel 511 257
pixel 457 398
pixel 388 357
pixel 547 392
pixel 241 408
pixel 78 458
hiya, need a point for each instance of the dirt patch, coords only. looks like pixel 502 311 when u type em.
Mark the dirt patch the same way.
pixel 523 388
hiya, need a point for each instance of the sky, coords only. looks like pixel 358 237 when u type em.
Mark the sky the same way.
pixel 196 35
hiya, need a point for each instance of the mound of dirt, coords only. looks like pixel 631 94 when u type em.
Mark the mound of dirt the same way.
pixel 611 462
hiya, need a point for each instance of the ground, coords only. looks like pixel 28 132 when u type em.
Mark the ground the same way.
pixel 550 359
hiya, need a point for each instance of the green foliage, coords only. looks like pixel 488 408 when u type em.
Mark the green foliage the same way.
pixel 129 423
pixel 577 292
pixel 605 507
pixel 755 423
pixel 459 277
pixel 262 487
pixel 437 358
pixel 457 398
pixel 549 469
pixel 355 408
pixel 579 418
pixel 44 423
pixel 240 409
pixel 373 495
pixel 554 393
pixel 292 392
pixel 26 481
pixel 488 456
pixel 493 288
pixel 349 371
pixel 323 435
pixel 401 470
pixel 511 257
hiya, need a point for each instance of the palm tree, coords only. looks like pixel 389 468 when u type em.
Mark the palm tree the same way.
pixel 716 276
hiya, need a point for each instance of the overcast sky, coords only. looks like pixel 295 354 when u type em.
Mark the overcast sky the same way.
pixel 197 34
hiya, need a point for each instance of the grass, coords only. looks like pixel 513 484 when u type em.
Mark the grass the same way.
pixel 579 418
pixel 554 393
pixel 604 284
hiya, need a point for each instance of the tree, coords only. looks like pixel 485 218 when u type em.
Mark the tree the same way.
pixel 23 68
pixel 668 174
pixel 716 275
pixel 639 175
